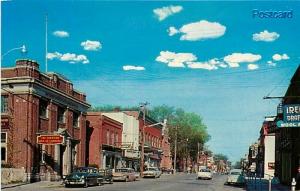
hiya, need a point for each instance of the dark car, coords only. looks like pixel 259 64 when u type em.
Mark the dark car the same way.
pixel 83 176
pixel 167 170
pixel 106 175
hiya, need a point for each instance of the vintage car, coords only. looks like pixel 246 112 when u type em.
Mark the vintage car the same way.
pixel 204 174
pixel 167 170
pixel 236 177
pixel 106 175
pixel 83 176
pixel 124 174
pixel 152 172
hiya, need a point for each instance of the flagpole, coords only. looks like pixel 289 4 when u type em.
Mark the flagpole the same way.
pixel 46 43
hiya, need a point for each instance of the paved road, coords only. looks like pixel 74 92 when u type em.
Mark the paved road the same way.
pixel 179 182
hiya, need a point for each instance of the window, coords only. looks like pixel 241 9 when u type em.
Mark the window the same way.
pixel 112 138
pixel 75 119
pixel 107 137
pixel 61 115
pixel 116 139
pixel 3 137
pixel 43 108
pixel 3 154
pixel 4 104
pixel 3 147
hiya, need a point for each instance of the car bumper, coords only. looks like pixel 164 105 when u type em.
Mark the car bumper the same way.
pixel 149 175
pixel 119 178
pixel 73 182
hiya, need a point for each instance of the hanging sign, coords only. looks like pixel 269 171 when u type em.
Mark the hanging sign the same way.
pixel 50 139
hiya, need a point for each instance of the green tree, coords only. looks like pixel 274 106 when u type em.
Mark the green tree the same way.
pixel 188 128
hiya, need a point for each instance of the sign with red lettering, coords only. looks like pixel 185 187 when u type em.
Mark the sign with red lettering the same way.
pixel 50 139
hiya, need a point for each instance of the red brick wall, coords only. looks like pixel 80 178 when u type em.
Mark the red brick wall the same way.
pixel 101 125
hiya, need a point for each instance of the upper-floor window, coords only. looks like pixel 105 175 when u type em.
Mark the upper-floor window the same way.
pixel 4 104
pixel 61 115
pixel 107 137
pixel 43 108
pixel 3 137
pixel 75 119
pixel 116 140
pixel 112 138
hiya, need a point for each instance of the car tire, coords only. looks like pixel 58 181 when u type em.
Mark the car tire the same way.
pixel 126 179
pixel 85 184
pixel 67 185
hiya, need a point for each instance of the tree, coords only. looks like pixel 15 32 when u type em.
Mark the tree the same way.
pixel 188 128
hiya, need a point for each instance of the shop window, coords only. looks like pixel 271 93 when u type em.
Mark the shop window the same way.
pixel 61 115
pixel 4 104
pixel 75 119
pixel 43 108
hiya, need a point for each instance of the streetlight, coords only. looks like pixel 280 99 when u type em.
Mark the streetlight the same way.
pixel 22 48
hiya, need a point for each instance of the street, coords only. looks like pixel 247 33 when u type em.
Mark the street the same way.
pixel 176 182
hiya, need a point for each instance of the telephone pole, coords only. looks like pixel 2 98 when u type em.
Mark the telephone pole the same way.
pixel 143 109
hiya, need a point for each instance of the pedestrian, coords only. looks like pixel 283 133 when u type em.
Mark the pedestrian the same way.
pixel 298 179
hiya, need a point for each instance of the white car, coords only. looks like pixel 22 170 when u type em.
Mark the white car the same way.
pixel 235 176
pixel 204 174
pixel 152 172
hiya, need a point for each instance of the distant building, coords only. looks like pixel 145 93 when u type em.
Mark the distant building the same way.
pixel 45 106
pixel 105 140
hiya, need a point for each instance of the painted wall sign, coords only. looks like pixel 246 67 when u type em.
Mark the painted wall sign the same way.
pixel 50 139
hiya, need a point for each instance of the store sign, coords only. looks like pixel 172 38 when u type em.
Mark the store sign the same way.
pixel 50 139
pixel 291 116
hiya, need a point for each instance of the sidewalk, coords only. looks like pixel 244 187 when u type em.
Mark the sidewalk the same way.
pixel 42 184
pixel 263 185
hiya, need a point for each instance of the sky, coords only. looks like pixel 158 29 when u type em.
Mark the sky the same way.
pixel 217 59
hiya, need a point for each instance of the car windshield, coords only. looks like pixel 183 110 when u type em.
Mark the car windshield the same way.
pixel 152 169
pixel 122 170
pixel 204 170
pixel 235 173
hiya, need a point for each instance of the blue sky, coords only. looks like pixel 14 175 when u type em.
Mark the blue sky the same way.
pixel 212 58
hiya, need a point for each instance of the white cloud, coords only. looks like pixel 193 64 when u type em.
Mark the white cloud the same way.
pixel 265 36
pixel 53 55
pixel 278 57
pixel 270 63
pixel 199 30
pixel 172 31
pixel 235 59
pixel 202 65
pixel 91 45
pixel 129 67
pixel 253 66
pixel 164 12
pixel 61 34
pixel 68 57
pixel 175 59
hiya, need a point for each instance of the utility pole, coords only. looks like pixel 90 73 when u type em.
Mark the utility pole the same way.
pixel 143 109
pixel 175 150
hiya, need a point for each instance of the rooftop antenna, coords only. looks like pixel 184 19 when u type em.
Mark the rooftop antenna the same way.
pixel 46 42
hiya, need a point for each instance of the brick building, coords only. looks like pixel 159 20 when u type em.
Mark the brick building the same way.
pixel 35 103
pixel 153 138
pixel 166 159
pixel 104 141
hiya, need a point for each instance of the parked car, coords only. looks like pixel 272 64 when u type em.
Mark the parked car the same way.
pixel 84 176
pixel 106 175
pixel 152 172
pixel 205 174
pixel 124 174
pixel 167 170
pixel 236 177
